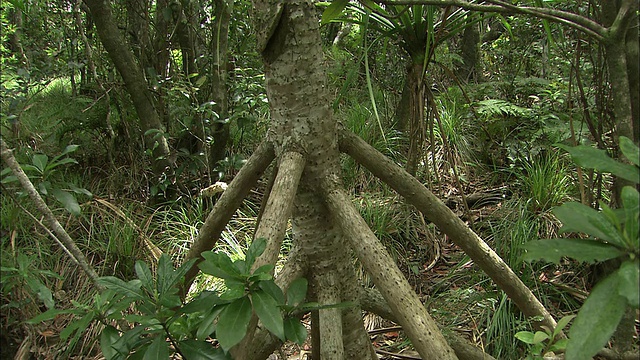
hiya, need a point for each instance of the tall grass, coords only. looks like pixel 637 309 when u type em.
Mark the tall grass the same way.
pixel 545 182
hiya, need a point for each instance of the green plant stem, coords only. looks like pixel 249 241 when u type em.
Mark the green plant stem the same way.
pixel 49 218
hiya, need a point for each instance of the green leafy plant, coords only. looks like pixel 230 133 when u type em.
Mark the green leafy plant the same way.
pixel 24 272
pixel 161 318
pixel 542 343
pixel 43 172
pixel 611 234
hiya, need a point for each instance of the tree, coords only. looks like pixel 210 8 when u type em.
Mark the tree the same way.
pixel 306 141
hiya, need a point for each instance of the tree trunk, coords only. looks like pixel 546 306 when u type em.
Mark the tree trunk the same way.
pixel 325 222
pixel 470 54
pixel 219 49
pixel 136 85
pixel 416 118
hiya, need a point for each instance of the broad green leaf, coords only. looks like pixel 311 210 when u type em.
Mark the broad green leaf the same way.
pixel 577 217
pixel 539 337
pixel 631 208
pixel 256 249
pixel 596 320
pixel 9 179
pixel 233 322
pixel 552 250
pixel 264 269
pixel 270 287
pixel 592 158
pixel 333 11
pixel 297 291
pixel 40 162
pixel 203 302
pixel 50 314
pixel 69 149
pixel 68 200
pixel 165 270
pixel 158 350
pixel 525 336
pixel 294 330
pixel 235 290
pixel 218 265
pixel 80 326
pixel 208 325
pixel 144 274
pixel 269 313
pixel 54 164
pixel 562 323
pixel 201 350
pixel 108 337
pixel 42 291
pixel 129 289
pixel 629 277
pixel 630 150
pixel 559 345
pixel 179 274
pixel 131 339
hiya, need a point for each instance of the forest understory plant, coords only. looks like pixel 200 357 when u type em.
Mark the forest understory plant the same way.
pixel 612 234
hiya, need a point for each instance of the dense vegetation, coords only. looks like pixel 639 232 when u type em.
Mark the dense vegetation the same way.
pixel 130 118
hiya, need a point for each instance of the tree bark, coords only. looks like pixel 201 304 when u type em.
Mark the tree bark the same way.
pixel 436 211
pixel 136 85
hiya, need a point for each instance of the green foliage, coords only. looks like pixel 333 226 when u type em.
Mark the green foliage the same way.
pixel 611 234
pixel 44 174
pixel 541 343
pixel 545 182
pixel 25 272
pixel 160 314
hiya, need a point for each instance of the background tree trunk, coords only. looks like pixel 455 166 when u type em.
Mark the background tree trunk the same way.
pixel 136 85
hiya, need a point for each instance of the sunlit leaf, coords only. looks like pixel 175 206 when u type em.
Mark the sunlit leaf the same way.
pixel 144 274
pixel 525 336
pixel 218 265
pixel 552 250
pixel 596 320
pixel 130 289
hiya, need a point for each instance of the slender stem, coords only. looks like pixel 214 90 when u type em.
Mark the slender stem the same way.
pixel 49 218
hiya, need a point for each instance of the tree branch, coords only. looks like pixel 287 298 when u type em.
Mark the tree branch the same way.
pixel 49 218
pixel 277 212
pixel 412 315
pixel 573 20
pixel 436 211
pixel 226 206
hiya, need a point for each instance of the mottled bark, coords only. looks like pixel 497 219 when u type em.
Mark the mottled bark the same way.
pixel 436 211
